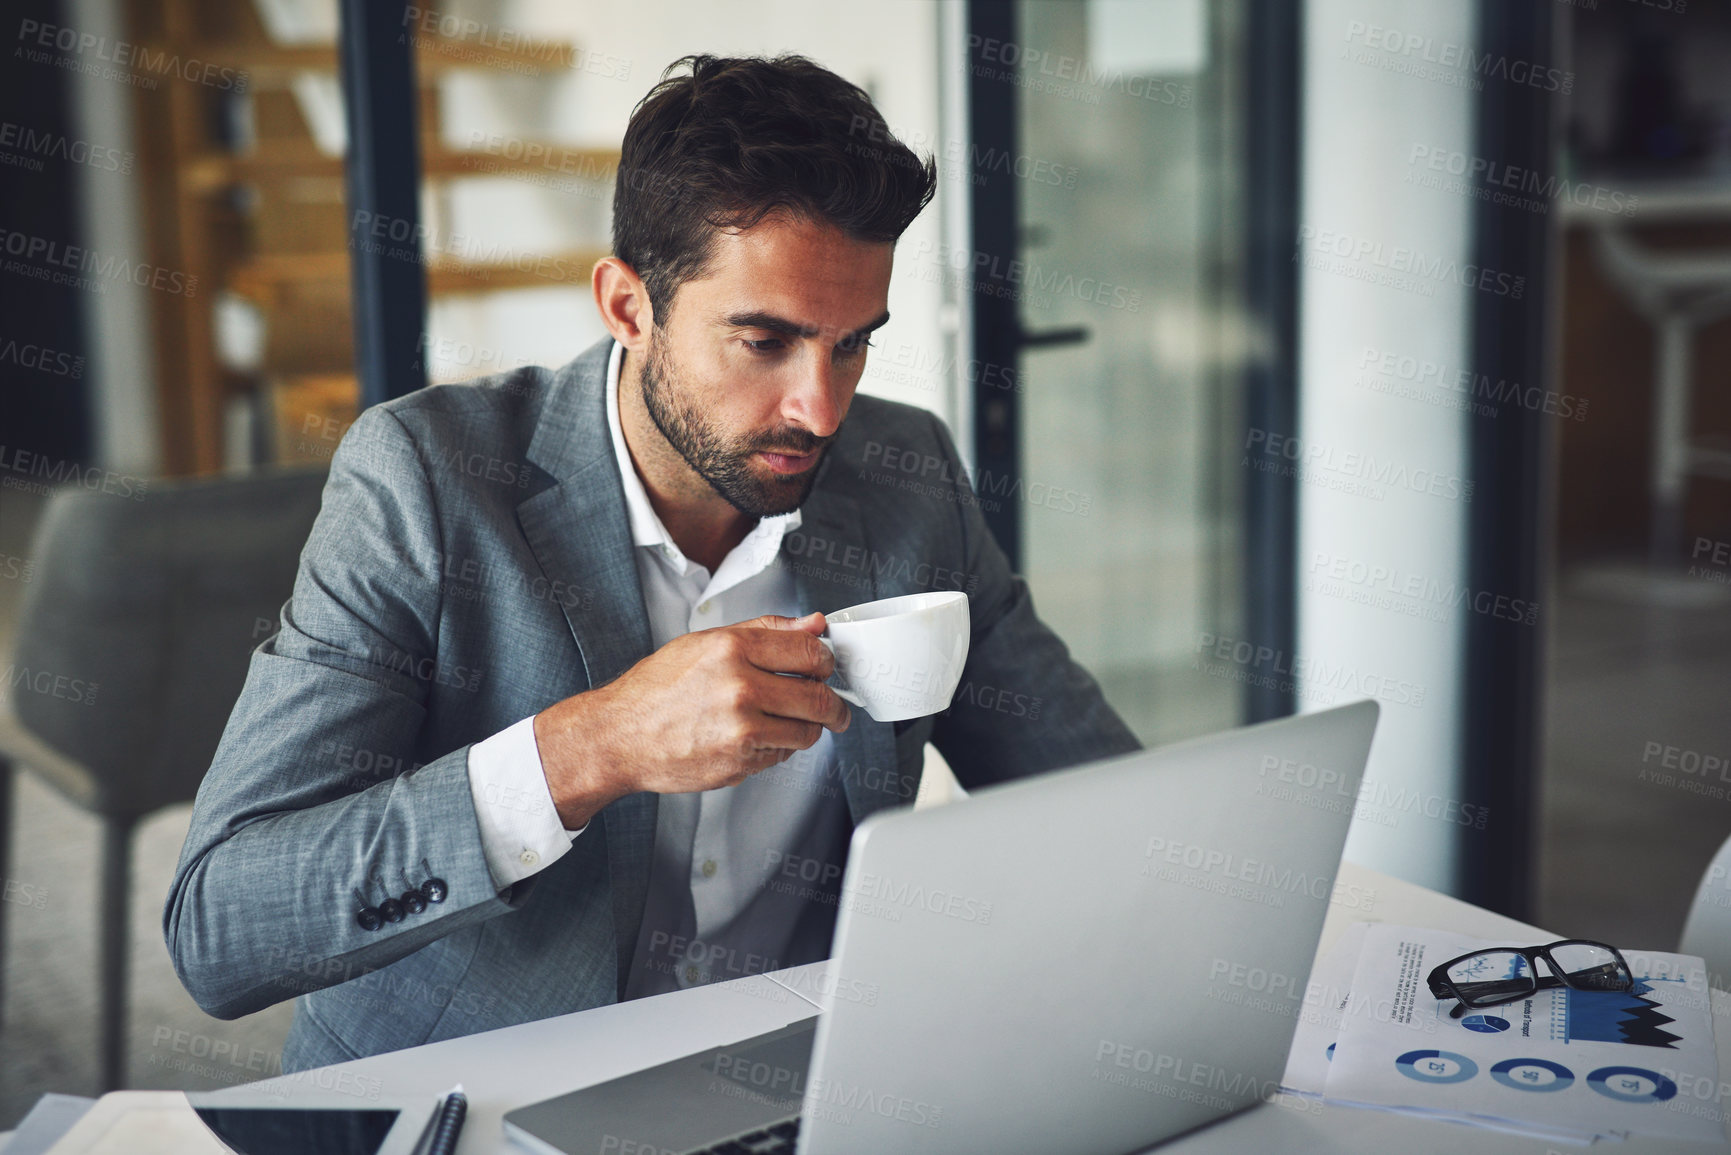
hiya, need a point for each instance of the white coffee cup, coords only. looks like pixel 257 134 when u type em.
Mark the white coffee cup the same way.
pixel 900 658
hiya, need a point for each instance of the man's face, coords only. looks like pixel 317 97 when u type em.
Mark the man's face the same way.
pixel 751 376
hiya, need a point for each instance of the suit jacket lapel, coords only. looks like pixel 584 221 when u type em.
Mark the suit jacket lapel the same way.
pixel 831 557
pixel 578 530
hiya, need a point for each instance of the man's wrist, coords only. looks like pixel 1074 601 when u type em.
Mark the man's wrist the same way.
pixel 574 759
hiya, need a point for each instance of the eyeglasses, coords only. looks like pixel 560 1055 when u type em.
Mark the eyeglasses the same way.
pixel 1486 978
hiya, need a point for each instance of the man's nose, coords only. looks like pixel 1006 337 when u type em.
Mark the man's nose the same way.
pixel 811 401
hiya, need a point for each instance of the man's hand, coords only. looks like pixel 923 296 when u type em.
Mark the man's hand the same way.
pixel 708 709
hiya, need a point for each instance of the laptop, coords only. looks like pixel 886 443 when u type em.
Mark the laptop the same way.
pixel 1081 963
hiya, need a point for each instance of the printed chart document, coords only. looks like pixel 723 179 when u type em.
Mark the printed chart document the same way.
pixel 1327 1001
pixel 1563 1064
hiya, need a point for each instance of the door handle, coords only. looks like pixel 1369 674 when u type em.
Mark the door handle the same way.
pixel 1050 338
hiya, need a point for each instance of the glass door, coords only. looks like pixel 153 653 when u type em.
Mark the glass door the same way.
pixel 1127 395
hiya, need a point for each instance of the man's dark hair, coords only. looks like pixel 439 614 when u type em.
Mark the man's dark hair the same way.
pixel 724 142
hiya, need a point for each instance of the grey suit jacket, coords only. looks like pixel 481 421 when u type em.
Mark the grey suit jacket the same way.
pixel 471 565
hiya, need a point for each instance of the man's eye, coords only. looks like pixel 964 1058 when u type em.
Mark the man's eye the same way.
pixel 853 348
pixel 767 345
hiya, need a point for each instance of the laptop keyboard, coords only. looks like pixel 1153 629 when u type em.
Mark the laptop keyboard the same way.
pixel 777 1139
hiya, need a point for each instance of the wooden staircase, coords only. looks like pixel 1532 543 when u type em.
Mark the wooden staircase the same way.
pixel 240 194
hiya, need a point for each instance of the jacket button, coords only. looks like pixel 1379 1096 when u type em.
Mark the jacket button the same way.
pixel 435 889
pixel 369 918
pixel 391 910
pixel 413 900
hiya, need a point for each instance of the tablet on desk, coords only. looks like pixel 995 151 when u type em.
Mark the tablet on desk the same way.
pixel 252 1123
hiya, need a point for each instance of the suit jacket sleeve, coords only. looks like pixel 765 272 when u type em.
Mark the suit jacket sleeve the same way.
pixel 314 793
pixel 1024 706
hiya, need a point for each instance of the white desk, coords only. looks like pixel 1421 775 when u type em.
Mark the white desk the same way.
pixel 505 1069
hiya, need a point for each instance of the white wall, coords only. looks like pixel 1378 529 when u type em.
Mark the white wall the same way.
pixel 1364 111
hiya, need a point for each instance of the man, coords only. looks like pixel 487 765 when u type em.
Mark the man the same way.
pixel 545 724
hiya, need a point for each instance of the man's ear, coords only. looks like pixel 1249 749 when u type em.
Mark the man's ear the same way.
pixel 623 302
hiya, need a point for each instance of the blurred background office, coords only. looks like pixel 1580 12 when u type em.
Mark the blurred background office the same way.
pixel 1301 352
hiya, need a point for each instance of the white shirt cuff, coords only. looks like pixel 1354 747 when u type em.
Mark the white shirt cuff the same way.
pixel 520 829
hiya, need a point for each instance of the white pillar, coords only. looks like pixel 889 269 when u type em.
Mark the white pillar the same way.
pixel 1378 550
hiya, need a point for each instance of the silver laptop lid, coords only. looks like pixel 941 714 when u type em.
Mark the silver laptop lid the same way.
pixel 1086 962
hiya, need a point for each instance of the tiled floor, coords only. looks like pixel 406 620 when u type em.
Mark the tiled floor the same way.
pixel 1621 851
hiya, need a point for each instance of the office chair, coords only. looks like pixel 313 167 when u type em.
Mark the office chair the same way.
pixel 133 641
pixel 1707 931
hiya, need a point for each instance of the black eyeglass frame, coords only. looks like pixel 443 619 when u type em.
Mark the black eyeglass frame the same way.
pixel 1443 987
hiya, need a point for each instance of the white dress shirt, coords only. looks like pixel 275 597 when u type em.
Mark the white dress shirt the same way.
pixel 744 878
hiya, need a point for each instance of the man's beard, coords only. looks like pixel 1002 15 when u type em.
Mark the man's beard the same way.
pixel 724 464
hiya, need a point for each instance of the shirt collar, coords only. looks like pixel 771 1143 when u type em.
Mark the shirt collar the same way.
pixel 764 540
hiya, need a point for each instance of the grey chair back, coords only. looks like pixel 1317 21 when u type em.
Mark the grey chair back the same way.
pixel 1707 932
pixel 136 629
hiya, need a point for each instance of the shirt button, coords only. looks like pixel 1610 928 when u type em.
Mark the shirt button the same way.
pixel 528 858
pixel 692 974
pixel 704 608
pixel 709 868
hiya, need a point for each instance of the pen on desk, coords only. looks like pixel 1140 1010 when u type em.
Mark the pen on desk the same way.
pixel 449 1123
